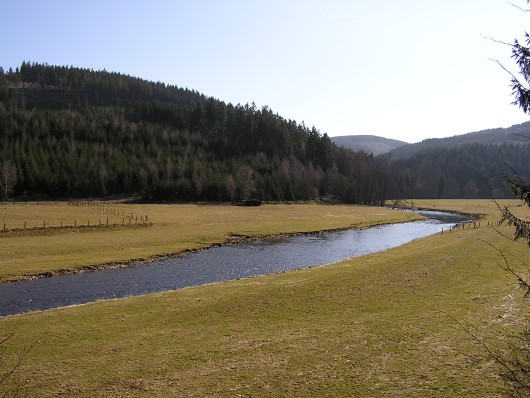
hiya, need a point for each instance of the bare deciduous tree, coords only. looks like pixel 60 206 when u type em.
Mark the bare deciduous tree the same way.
pixel 231 187
pixel 8 178
pixel 245 182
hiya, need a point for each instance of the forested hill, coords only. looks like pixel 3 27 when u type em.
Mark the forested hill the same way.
pixel 74 133
pixel 516 133
pixel 475 170
pixel 368 143
pixel 472 165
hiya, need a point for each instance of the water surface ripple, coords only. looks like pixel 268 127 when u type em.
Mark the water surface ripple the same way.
pixel 215 264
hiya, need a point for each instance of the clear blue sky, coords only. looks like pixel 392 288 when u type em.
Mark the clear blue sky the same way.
pixel 403 69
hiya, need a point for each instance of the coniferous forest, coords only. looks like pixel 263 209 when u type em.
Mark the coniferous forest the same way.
pixel 75 133
pixel 71 133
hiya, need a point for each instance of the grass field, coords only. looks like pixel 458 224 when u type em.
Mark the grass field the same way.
pixel 382 325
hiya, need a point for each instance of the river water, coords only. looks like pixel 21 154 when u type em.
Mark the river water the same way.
pixel 215 265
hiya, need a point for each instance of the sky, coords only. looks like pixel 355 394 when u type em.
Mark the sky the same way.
pixel 402 69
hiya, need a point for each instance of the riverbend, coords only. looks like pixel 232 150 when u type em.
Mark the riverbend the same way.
pixel 217 264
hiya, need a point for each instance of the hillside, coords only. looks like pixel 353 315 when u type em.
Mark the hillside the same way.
pixel 475 170
pixel 466 166
pixel 76 133
pixel 516 133
pixel 368 143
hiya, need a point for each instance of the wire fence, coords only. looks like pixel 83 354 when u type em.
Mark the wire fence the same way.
pixel 109 217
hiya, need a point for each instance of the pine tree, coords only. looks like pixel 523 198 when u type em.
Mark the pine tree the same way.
pixel 516 367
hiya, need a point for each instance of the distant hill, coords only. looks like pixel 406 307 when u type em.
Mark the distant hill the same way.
pixel 515 133
pixel 368 143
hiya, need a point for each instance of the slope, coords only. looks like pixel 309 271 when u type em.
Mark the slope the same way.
pixel 368 143
pixel 515 133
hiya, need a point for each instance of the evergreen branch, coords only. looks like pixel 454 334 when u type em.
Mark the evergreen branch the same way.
pixel 522 227
pixel 521 281
pixel 502 66
pixel 521 93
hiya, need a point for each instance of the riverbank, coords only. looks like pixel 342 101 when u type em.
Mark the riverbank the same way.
pixel 379 325
pixel 169 230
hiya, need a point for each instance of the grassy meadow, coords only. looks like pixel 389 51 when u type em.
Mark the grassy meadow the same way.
pixel 382 325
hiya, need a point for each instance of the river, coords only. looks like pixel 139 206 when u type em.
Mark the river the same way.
pixel 215 265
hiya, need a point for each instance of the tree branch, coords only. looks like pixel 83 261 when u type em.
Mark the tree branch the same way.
pixel 4 375
pixel 521 281
pixel 511 373
pixel 520 8
pixel 497 41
